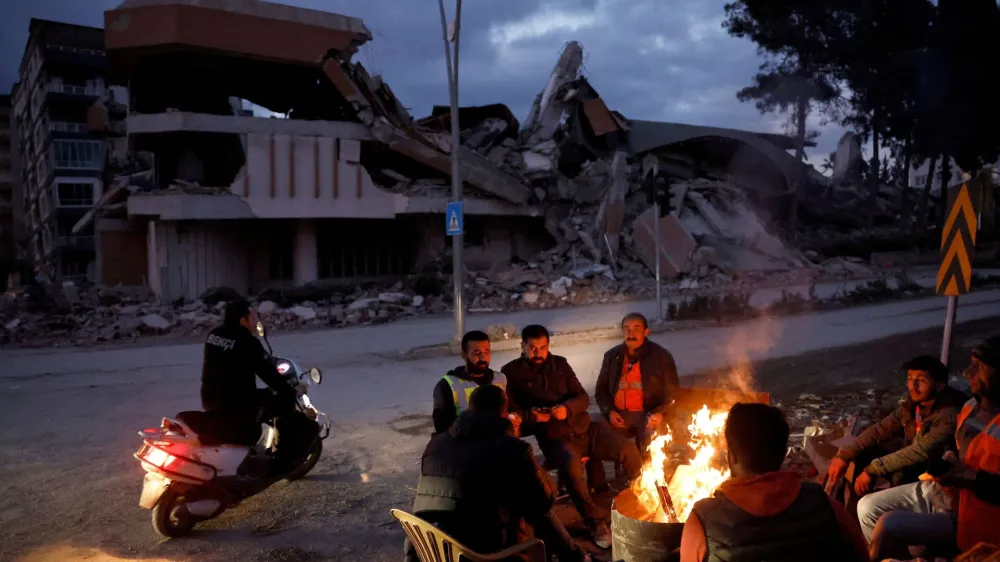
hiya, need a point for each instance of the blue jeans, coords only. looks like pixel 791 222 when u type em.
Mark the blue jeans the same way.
pixel 910 515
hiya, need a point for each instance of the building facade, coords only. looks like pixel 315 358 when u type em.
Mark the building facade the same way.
pixel 8 236
pixel 62 144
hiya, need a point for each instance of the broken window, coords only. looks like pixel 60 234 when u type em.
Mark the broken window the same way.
pixel 75 194
pixel 360 248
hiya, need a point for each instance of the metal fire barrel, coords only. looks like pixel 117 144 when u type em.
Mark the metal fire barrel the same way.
pixel 634 539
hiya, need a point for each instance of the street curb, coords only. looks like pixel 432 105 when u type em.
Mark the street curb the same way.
pixel 558 338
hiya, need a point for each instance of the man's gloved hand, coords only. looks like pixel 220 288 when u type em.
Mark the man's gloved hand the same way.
pixel 654 421
pixel 515 421
pixel 616 420
pixel 300 389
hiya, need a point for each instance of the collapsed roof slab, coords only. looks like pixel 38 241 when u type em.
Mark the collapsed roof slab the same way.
pixel 376 108
pixel 262 30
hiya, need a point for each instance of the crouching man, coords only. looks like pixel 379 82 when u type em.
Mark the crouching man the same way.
pixel 762 512
pixel 479 483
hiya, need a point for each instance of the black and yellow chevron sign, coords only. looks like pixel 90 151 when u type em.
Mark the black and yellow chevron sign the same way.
pixel 958 243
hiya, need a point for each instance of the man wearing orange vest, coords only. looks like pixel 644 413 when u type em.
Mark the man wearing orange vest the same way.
pixel 972 483
pixel 636 381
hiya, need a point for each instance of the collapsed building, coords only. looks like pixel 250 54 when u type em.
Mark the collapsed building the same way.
pixel 349 186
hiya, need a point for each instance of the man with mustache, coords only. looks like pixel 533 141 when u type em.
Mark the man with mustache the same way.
pixel 544 393
pixel 452 392
pixel 636 382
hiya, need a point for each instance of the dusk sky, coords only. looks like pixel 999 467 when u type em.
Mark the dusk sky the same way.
pixel 649 59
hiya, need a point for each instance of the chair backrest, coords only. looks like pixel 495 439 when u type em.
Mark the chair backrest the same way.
pixel 431 544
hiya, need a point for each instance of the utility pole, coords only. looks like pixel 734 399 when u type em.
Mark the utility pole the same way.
pixel 456 182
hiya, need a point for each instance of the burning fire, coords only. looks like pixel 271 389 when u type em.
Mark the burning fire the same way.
pixel 671 500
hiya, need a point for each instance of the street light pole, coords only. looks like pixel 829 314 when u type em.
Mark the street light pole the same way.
pixel 456 181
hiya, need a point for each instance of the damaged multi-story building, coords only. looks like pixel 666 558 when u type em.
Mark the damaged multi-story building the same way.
pixel 61 110
pixel 346 185
pixel 8 170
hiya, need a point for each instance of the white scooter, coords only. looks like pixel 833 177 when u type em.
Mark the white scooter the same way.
pixel 191 478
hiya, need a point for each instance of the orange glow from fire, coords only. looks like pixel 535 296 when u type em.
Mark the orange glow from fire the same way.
pixel 696 480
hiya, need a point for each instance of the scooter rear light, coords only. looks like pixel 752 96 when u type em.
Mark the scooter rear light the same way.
pixel 159 458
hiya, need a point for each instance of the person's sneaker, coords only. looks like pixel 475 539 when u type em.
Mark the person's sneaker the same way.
pixel 602 535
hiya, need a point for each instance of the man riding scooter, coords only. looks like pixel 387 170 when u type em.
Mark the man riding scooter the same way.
pixel 234 358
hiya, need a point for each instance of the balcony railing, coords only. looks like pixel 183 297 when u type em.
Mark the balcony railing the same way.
pixel 74 90
pixel 64 127
pixel 76 50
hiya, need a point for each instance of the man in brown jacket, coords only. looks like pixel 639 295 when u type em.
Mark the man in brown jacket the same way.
pixel 925 421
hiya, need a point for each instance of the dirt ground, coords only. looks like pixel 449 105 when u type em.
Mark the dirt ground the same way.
pixel 69 487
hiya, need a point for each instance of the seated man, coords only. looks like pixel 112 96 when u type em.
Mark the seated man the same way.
pixel 763 513
pixel 548 401
pixel 636 382
pixel 959 502
pixel 477 483
pixel 452 392
pixel 926 421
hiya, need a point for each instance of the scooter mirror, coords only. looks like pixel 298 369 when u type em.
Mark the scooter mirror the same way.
pixel 316 375
pixel 260 329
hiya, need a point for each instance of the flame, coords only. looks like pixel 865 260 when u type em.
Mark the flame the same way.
pixel 691 482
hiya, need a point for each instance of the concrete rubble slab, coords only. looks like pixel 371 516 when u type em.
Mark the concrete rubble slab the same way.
pixel 676 244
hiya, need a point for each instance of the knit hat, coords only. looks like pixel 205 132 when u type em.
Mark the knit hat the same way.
pixel 988 352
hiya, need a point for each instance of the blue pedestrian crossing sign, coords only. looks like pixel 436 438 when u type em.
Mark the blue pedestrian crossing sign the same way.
pixel 453 221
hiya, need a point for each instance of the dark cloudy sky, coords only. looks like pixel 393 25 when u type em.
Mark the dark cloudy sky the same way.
pixel 650 59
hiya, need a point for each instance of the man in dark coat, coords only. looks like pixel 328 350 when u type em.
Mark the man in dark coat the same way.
pixel 478 483
pixel 547 400
pixel 636 382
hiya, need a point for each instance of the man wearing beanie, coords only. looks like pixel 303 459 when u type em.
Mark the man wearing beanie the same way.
pixel 924 423
pixel 958 503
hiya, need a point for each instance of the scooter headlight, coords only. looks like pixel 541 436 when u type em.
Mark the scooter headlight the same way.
pixel 284 367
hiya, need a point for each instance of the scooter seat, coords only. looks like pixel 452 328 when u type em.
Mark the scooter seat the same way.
pixel 212 429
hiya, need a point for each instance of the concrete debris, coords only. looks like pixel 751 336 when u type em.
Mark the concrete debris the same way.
pixel 846 161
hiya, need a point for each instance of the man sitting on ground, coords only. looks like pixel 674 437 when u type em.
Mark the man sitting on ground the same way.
pixel 478 483
pixel 926 421
pixel 762 512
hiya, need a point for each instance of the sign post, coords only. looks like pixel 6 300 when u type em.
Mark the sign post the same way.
pixel 958 244
pixel 454 209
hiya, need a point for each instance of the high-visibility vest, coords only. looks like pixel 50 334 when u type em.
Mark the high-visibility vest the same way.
pixel 462 389
pixel 978 520
pixel 628 398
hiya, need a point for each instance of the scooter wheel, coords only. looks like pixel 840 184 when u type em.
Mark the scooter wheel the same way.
pixel 308 463
pixel 170 518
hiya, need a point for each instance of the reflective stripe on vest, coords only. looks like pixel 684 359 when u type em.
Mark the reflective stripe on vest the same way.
pixel 462 389
pixel 976 518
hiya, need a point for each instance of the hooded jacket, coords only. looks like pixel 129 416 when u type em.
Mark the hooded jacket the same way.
pixel 773 516
pixel 934 436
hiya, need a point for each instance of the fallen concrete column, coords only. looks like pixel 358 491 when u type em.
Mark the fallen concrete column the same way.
pixel 547 111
